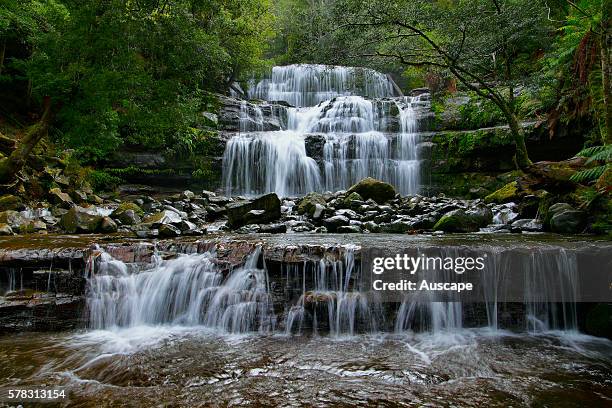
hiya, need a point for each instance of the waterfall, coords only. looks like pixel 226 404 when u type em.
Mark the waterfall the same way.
pixel 189 290
pixel 523 289
pixel 333 300
pixel 547 278
pixel 307 85
pixel 335 135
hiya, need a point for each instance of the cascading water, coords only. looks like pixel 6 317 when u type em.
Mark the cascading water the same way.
pixel 189 290
pixel 307 85
pixel 333 300
pixel 333 138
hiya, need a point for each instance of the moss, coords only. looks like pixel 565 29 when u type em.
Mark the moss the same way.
pixel 125 206
pixel 506 193
pixel 377 190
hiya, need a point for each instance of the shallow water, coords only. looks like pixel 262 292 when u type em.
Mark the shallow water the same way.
pixel 179 366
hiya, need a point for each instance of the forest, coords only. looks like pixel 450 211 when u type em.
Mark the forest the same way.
pixel 83 81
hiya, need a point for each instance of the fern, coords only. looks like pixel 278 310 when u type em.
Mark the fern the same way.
pixel 600 154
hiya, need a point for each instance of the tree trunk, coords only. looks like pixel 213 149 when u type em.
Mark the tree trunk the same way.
pixel 9 166
pixel 521 157
pixel 605 69
pixel 2 52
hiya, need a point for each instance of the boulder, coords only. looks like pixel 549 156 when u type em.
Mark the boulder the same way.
pixel 187 195
pixel 395 227
pixel 5 229
pixel 273 228
pixel 262 210
pixel 308 204
pixel 57 197
pixel 162 218
pixel 509 192
pixel 11 202
pixel 77 220
pixel 481 214
pixel 169 231
pixel 349 229
pixel 125 206
pixel 529 225
pixel 12 218
pixel 377 190
pixel 568 221
pixel 460 221
pixel 128 217
pixel 333 223
pixel 108 225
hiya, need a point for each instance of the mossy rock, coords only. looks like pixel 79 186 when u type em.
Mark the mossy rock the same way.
pixel 377 190
pixel 458 221
pixel 123 207
pixel 507 193
pixel 76 220
pixel 308 203
pixel 10 202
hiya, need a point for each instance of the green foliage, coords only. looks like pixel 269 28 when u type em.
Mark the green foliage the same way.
pixel 135 73
pixel 599 154
pixel 103 181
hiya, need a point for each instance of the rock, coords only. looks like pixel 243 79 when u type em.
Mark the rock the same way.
pixel 219 200
pixel 12 218
pixel 128 217
pixel 79 196
pixel 94 199
pixel 395 227
pixel 125 206
pixel 377 190
pixel 371 226
pixel 5 229
pixel 214 212
pixel 481 214
pixel 459 221
pixel 318 211
pixel 57 197
pixel 108 225
pixel 162 218
pixel 426 221
pixel 273 229
pixel 308 203
pixel 262 210
pixel 567 221
pixel 333 223
pixel 168 230
pixel 353 200
pixel 349 229
pixel 507 193
pixel 77 220
pixel 559 207
pixel 187 195
pixel 207 194
pixel 11 202
pixel 529 225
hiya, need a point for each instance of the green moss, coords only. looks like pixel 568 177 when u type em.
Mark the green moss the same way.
pixel 504 194
pixel 125 206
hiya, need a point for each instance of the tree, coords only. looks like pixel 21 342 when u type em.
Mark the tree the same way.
pixel 476 41
pixel 138 72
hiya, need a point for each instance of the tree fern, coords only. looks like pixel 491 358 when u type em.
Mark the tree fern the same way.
pixel 599 154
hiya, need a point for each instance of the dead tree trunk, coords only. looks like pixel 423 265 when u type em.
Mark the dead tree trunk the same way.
pixel 10 166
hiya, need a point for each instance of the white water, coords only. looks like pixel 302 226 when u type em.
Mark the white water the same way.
pixel 361 137
pixel 188 291
pixel 333 298
pixel 327 295
pixel 307 85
